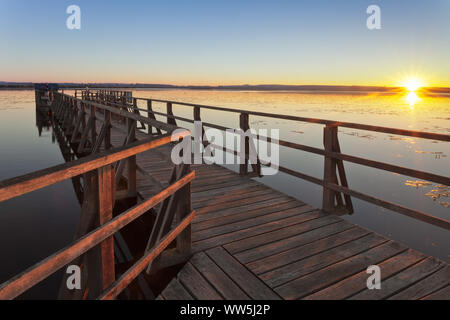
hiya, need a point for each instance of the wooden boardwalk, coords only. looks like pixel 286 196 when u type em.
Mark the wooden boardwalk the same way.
pixel 213 234
pixel 252 242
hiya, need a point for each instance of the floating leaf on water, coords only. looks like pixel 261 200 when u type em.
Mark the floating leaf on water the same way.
pixel 445 204
pixel 417 183
pixel 440 191
pixel 404 139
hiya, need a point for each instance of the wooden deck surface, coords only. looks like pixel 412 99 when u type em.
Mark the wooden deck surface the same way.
pixel 253 242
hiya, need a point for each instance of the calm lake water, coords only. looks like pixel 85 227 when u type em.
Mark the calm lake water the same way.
pixel 38 224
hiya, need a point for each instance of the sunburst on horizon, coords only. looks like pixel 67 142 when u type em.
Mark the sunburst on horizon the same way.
pixel 412 84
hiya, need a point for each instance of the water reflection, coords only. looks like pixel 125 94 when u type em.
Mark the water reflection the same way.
pixel 40 223
pixel 412 98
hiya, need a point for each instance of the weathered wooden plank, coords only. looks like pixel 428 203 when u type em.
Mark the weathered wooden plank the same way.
pixel 231 196
pixel 272 236
pixel 308 284
pixel 252 286
pixel 217 192
pixel 196 284
pixel 208 233
pixel 442 294
pixel 358 282
pixel 252 231
pixel 425 287
pixel 324 243
pixel 401 281
pixel 244 212
pixel 176 291
pixel 209 179
pixel 221 282
pixel 160 172
pixel 299 239
pixel 280 276
pixel 213 186
pixel 235 205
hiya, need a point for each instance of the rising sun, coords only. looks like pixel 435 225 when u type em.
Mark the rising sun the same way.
pixel 412 85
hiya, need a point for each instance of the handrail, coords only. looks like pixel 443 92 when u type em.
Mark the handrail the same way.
pixel 366 127
pixel 17 186
pixel 166 127
pixel 334 155
pixel 401 132
pixel 125 279
pixel 100 181
pixel 35 274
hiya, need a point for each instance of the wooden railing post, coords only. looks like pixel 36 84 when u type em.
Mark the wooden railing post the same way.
pixel 108 119
pixel 244 126
pixel 94 126
pixel 184 240
pixel 151 115
pixel 106 194
pixel 329 172
pixel 170 120
pixel 132 166
pixel 197 117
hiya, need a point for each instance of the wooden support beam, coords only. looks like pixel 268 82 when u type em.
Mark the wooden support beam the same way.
pixel 106 193
pixel 85 134
pixel 177 207
pixel 107 119
pixel 78 124
pixel 151 115
pixel 244 124
pixel 170 120
pixel 132 166
pixel 184 240
pixel 93 125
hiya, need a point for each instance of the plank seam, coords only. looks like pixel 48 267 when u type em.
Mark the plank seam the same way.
pixel 306 243
pixel 341 259
pixel 243 290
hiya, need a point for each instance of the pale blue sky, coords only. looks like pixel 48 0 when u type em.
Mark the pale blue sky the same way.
pixel 226 42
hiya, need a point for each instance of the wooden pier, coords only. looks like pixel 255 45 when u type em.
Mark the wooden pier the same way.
pixel 219 233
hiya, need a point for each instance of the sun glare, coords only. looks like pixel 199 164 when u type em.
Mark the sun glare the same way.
pixel 412 98
pixel 412 84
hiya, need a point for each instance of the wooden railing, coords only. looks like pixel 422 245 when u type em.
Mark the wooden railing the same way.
pixel 97 224
pixel 336 192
